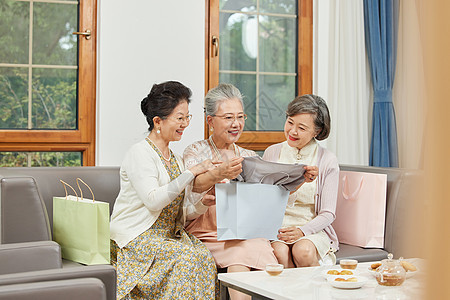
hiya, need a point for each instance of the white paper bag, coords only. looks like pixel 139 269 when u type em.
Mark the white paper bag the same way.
pixel 249 210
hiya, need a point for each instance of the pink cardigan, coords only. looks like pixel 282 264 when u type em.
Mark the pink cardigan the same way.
pixel 327 190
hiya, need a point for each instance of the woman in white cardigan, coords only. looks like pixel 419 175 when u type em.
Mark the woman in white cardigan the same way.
pixel 307 237
pixel 154 256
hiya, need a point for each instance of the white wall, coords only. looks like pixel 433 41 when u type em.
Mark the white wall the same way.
pixel 141 43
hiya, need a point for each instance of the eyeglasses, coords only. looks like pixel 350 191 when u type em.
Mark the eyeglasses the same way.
pixel 181 120
pixel 231 118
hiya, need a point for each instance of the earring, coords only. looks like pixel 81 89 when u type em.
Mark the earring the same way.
pixel 212 129
pixel 158 131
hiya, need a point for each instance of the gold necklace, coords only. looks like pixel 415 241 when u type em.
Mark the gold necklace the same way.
pixel 216 150
pixel 162 155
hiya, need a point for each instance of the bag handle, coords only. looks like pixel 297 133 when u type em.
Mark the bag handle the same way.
pixel 345 193
pixel 81 191
pixel 65 189
pixel 275 173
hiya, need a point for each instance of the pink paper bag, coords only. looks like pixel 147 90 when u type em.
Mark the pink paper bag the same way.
pixel 361 208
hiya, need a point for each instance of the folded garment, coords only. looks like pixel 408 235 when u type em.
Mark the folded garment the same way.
pixel 257 170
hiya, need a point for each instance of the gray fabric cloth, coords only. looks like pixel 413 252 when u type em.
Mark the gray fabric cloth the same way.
pixel 256 170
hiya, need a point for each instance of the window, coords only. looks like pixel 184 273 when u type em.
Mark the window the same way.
pixel 47 82
pixel 263 47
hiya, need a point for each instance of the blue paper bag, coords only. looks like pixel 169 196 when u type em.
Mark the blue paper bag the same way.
pixel 249 210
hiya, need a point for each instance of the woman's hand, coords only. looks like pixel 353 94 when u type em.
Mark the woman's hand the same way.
pixel 311 173
pixel 230 169
pixel 209 200
pixel 289 234
pixel 203 167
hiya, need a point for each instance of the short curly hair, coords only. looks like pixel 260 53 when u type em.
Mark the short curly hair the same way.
pixel 312 104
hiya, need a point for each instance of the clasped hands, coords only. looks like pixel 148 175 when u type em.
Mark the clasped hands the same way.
pixel 290 234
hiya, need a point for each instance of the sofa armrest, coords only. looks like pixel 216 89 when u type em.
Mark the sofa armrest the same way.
pixel 106 273
pixel 31 256
pixel 86 289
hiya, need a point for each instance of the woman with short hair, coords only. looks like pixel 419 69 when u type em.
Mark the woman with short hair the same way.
pixel 307 237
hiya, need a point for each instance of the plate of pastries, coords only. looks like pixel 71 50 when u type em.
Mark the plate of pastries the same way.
pixel 339 272
pixel 347 281
pixel 410 268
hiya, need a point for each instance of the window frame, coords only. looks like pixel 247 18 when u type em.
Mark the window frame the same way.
pixel 83 138
pixel 260 140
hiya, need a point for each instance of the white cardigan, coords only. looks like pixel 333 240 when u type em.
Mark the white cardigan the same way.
pixel 145 189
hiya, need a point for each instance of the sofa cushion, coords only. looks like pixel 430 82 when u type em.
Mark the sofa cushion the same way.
pixel 360 254
pixel 23 214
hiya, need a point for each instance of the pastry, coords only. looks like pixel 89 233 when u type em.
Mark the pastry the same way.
pixel 333 272
pixel 375 265
pixel 352 279
pixel 346 272
pixel 409 267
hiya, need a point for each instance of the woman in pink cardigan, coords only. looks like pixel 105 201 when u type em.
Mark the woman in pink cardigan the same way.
pixel 307 237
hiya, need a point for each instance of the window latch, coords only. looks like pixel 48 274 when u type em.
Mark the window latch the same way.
pixel 86 34
pixel 215 43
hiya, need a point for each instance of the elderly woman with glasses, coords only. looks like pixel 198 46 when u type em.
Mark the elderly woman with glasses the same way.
pixel 307 237
pixel 226 119
pixel 154 256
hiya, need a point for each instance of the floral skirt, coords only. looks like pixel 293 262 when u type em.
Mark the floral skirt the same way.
pixel 158 265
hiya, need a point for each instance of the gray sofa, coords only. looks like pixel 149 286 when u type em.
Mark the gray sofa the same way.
pixel 18 218
pixel 33 270
pixel 31 262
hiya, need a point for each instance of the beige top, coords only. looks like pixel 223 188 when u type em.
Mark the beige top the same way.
pixel 327 190
pixel 303 208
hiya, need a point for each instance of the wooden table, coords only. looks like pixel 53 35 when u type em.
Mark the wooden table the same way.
pixel 310 283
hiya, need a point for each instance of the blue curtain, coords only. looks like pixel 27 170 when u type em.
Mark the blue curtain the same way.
pixel 380 24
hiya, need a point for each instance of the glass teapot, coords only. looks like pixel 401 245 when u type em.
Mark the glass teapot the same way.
pixel 391 272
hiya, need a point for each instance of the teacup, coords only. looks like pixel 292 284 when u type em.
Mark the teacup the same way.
pixel 274 269
pixel 348 264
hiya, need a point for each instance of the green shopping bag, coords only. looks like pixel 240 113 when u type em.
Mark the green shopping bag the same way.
pixel 81 227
